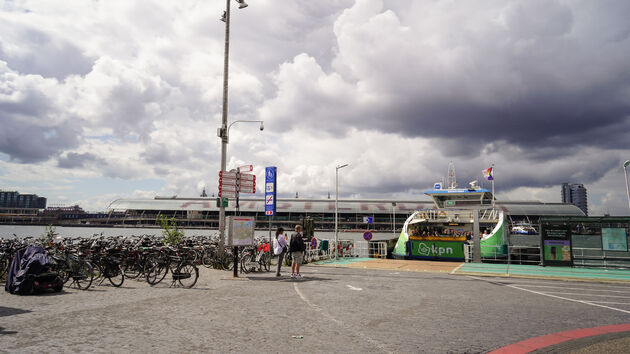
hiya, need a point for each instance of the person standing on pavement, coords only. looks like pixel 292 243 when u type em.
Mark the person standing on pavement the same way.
pixel 296 247
pixel 280 247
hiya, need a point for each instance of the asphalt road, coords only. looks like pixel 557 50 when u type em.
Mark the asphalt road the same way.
pixel 329 310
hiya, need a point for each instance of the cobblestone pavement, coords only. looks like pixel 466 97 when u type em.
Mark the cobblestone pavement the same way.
pixel 329 310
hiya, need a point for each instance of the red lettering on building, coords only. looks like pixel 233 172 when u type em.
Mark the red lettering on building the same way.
pixel 204 205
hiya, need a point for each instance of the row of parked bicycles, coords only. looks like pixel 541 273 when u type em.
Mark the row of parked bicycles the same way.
pixel 85 262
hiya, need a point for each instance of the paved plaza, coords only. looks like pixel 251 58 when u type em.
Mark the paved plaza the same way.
pixel 356 307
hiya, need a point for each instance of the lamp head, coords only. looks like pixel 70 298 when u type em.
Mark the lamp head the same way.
pixel 241 4
pixel 262 127
pixel 625 164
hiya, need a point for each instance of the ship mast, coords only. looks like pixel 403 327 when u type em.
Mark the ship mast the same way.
pixel 452 180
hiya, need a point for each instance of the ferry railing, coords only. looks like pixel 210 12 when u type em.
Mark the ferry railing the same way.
pixel 373 249
pixel 596 257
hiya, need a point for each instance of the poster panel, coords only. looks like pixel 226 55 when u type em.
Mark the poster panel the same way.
pixel 614 239
pixel 556 244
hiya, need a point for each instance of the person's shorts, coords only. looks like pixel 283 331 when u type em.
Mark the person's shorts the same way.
pixel 297 256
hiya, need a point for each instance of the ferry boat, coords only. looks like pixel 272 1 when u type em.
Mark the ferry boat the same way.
pixel 444 231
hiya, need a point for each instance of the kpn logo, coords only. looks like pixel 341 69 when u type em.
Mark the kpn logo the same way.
pixel 426 250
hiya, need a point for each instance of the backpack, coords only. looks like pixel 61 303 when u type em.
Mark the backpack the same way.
pixel 297 243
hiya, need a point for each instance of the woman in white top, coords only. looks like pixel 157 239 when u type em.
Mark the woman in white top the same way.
pixel 280 247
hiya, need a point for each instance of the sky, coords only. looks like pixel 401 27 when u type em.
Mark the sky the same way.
pixel 101 100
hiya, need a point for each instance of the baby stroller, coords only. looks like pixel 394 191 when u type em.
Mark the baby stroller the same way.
pixel 30 272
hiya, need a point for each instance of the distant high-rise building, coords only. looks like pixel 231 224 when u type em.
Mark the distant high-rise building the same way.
pixel 21 201
pixel 575 194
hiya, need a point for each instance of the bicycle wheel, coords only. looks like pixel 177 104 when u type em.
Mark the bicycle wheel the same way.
pixel 83 275
pixel 114 274
pixel 248 264
pixel 207 259
pixel 264 261
pixel 131 268
pixel 155 271
pixel 187 274
pixel 4 266
pixel 228 261
pixel 288 260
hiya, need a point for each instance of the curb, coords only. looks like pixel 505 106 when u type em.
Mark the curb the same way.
pixel 536 343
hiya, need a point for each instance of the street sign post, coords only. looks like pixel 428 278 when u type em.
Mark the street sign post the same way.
pixel 270 191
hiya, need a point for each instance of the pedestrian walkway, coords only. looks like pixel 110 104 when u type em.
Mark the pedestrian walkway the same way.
pixel 484 269
pixel 573 273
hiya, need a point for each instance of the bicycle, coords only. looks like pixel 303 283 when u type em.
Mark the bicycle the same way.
pixel 178 262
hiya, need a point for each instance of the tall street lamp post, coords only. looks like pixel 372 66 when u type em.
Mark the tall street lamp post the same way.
pixel 223 131
pixel 337 208
pixel 625 174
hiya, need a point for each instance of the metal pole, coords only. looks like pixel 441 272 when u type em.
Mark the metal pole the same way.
pixel 224 122
pixel 270 243
pixel 476 238
pixel 625 173
pixel 336 207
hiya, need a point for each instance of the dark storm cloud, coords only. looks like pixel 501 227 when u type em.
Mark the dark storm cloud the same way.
pixel 29 143
pixel 41 54
pixel 541 75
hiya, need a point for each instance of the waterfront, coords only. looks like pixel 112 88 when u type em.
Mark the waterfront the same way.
pixel 7 231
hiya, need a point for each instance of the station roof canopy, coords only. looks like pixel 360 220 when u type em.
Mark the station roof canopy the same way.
pixel 354 206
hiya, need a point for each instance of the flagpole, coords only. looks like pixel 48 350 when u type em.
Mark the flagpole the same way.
pixel 493 197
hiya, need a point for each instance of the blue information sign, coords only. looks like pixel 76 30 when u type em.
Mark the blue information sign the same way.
pixel 270 191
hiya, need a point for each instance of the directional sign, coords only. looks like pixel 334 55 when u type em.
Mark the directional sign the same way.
pixel 248 190
pixel 247 184
pixel 247 177
pixel 246 168
pixel 227 194
pixel 227 188
pixel 227 181
pixel 226 174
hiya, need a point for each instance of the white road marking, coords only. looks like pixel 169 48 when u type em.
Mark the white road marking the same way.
pixel 338 322
pixel 353 288
pixel 589 289
pixel 582 294
pixel 591 303
pixel 568 299
pixel 524 281
pixel 610 303
pixel 456 269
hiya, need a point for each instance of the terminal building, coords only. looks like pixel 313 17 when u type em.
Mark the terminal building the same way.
pixel 353 214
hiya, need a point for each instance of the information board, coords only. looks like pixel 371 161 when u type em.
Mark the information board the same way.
pixel 240 230
pixel 614 239
pixel 556 244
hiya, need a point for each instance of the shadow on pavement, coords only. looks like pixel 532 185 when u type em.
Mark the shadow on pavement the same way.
pixel 289 279
pixel 3 332
pixel 10 311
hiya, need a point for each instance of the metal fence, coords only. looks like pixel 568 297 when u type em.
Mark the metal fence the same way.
pixel 586 252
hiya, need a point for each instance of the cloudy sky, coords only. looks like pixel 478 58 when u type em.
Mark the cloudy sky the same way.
pixel 102 100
